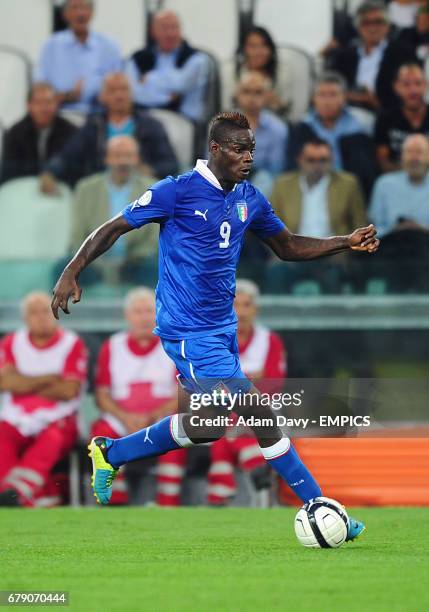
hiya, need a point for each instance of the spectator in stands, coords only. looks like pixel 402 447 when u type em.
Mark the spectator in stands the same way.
pixel 402 13
pixel 31 142
pixel 332 120
pixel 258 53
pixel 270 131
pixel 169 73
pixel 417 36
pixel 369 64
pixel 103 195
pixel 410 116
pixel 263 359
pixel 75 61
pixel 85 153
pixel 401 199
pixel 317 200
pixel 42 371
pixel 136 386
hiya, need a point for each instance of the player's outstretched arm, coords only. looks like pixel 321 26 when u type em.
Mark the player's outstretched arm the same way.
pixel 95 245
pixel 292 247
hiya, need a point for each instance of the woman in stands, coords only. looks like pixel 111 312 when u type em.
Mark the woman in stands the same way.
pixel 259 52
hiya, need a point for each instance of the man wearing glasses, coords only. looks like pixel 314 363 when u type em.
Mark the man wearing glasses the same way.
pixel 369 64
pixel 318 200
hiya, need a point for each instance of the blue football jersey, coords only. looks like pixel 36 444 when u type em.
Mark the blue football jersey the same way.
pixel 201 235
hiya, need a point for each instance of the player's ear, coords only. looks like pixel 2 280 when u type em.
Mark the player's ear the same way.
pixel 214 147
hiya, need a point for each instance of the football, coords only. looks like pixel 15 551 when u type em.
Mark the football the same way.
pixel 321 523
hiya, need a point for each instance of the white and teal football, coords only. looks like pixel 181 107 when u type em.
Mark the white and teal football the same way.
pixel 322 523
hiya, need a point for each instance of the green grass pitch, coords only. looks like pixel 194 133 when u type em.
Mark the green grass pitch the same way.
pixel 190 559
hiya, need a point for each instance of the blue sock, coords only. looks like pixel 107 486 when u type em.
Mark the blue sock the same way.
pixel 154 440
pixel 285 460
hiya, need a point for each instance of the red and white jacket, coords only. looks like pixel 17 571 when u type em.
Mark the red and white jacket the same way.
pixel 140 379
pixel 263 356
pixel 64 355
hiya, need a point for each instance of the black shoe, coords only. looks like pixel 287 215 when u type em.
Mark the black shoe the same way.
pixel 9 498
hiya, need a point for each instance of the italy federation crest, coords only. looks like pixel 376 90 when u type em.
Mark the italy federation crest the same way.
pixel 242 211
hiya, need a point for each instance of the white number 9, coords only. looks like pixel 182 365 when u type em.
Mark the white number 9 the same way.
pixel 225 232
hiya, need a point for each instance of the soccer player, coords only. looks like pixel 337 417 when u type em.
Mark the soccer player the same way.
pixel 203 216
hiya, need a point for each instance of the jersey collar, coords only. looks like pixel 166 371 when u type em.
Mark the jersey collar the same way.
pixel 201 168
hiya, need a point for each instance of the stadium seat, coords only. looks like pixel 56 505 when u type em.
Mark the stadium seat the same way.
pixel 78 119
pixel 21 277
pixel 181 133
pixel 33 226
pixel 26 25
pixel 304 23
pixel 302 65
pixel 365 117
pixel 124 21
pixel 214 29
pixel 14 68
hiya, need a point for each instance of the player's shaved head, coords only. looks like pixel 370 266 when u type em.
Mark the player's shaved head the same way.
pixel 223 124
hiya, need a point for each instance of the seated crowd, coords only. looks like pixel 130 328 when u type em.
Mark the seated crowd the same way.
pixel 90 124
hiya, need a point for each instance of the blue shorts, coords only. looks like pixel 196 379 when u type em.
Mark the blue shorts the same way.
pixel 205 363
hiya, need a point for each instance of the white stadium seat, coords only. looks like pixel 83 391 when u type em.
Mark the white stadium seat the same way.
pixel 14 69
pixel 181 132
pixel 124 21
pixel 302 66
pixel 26 25
pixel 211 26
pixel 33 225
pixel 302 23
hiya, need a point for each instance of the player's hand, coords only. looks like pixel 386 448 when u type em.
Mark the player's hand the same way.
pixel 364 239
pixel 66 288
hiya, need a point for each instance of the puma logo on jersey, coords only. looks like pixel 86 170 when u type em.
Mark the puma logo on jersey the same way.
pixel 146 436
pixel 198 213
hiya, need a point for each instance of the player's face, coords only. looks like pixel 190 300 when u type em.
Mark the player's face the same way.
pixel 234 156
pixel 411 86
pixel 245 309
pixel 38 317
pixel 140 316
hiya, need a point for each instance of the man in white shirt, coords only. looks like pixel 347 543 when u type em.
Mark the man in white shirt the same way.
pixel 76 60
